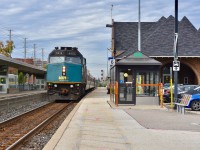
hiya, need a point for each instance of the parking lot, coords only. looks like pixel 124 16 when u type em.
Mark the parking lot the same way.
pixel 166 119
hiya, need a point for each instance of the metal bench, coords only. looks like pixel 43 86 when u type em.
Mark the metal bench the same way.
pixel 185 100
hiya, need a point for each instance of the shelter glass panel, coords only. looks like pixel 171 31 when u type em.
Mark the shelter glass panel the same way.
pixel 112 84
pixel 13 80
pixel 150 78
pixel 126 85
pixel 2 80
pixel 3 70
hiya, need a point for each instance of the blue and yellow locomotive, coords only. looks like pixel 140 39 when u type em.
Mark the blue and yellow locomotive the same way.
pixel 67 75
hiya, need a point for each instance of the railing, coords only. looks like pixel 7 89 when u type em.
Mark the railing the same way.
pixel 114 91
pixel 160 90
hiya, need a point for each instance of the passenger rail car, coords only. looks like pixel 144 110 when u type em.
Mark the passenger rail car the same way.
pixel 67 75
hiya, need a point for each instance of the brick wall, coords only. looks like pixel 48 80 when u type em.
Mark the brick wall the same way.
pixel 185 66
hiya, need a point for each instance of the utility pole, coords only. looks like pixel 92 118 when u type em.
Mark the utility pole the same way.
pixel 34 53
pixel 10 40
pixel 176 50
pixel 111 12
pixel 42 57
pixel 25 49
pixel 139 27
pixel 10 35
pixel 107 62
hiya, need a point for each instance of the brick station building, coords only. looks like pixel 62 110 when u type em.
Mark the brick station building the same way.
pixel 157 42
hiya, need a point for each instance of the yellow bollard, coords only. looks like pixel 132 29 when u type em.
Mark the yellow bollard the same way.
pixel 171 92
pixel 161 95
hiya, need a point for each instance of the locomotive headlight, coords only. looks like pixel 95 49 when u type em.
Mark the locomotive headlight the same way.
pixel 63 71
pixel 55 85
pixel 71 86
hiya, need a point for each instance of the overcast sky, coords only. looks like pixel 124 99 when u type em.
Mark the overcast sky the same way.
pixel 79 23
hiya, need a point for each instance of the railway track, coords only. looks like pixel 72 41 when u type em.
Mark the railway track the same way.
pixel 15 131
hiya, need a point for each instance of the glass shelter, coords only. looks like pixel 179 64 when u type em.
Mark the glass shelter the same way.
pixel 135 80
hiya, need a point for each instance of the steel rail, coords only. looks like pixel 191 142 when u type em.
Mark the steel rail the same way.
pixel 37 129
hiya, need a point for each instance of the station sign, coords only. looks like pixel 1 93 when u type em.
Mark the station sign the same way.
pixel 112 62
pixel 176 65
pixel 109 58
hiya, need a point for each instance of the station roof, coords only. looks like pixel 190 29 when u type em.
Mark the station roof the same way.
pixel 22 66
pixel 157 38
pixel 137 58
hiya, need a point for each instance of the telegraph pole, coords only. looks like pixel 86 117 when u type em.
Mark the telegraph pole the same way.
pixel 176 51
pixel 10 47
pixel 111 12
pixel 10 35
pixel 107 63
pixel 34 53
pixel 25 48
pixel 42 57
pixel 139 28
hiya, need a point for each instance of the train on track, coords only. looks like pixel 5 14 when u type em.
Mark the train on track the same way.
pixel 67 74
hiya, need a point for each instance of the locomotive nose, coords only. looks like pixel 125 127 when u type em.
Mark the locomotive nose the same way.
pixel 64 91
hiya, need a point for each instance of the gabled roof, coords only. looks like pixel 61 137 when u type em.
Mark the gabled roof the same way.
pixel 157 38
pixel 132 59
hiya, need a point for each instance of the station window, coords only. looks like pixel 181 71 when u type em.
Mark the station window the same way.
pixel 185 80
pixel 42 81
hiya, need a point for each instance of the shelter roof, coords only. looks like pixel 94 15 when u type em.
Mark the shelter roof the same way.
pixel 137 58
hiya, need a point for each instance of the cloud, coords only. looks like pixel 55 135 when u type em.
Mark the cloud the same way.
pixel 80 23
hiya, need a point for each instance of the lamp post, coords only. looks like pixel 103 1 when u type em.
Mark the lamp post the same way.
pixel 108 49
pixel 107 63
pixel 139 28
pixel 176 50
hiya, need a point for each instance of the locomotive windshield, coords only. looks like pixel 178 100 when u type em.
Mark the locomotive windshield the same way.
pixel 76 60
pixel 60 59
pixel 66 54
pixel 56 59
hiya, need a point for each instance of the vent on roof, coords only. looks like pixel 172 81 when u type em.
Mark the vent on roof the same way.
pixel 66 48
pixel 75 48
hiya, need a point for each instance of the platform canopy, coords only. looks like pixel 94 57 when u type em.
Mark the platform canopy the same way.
pixel 22 66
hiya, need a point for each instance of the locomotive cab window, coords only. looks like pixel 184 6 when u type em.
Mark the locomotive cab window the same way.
pixel 76 60
pixel 84 61
pixel 56 59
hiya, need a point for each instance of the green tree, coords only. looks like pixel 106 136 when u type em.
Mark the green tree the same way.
pixel 6 49
pixel 21 78
pixel 44 66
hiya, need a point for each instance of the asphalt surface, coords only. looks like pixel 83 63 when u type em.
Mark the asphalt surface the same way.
pixel 165 119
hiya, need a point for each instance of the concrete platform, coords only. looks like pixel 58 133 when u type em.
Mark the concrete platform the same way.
pixel 22 93
pixel 95 125
pixel 16 100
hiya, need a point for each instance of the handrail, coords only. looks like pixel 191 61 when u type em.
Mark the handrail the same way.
pixel 116 93
pixel 159 85
pixel 148 84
